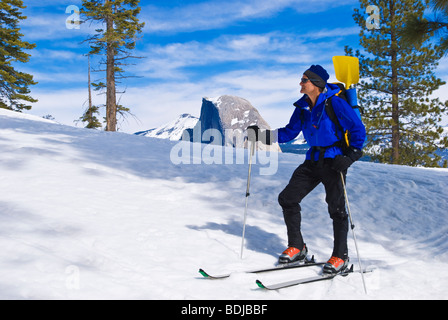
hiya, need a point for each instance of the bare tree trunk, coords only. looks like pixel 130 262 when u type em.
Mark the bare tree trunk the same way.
pixel 395 100
pixel 89 112
pixel 111 101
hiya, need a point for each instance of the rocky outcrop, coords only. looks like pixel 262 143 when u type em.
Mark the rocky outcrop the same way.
pixel 224 121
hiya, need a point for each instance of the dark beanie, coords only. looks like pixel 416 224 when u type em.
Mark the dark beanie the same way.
pixel 317 75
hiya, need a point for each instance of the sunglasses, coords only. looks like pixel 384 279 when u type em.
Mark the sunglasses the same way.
pixel 305 80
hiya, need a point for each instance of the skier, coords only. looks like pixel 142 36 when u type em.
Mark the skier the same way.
pixel 325 160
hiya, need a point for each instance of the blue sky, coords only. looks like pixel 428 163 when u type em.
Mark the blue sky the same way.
pixel 255 49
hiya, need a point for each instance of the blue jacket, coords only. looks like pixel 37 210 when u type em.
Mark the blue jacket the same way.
pixel 318 129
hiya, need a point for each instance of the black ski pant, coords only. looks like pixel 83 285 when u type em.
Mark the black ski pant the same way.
pixel 304 179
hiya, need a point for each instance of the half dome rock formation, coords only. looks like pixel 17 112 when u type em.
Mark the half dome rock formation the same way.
pixel 224 121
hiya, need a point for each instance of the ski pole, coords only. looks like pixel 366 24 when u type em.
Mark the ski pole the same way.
pixel 252 150
pixel 352 225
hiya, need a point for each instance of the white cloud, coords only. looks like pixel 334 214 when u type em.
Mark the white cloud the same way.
pixel 209 15
pixel 49 26
pixel 65 105
pixel 332 33
pixel 47 21
pixel 217 14
pixel 264 50
pixel 53 54
pixel 66 78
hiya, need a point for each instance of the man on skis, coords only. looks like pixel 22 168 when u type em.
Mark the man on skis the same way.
pixel 325 161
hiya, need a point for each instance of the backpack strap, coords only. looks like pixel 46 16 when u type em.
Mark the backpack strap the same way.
pixel 332 115
pixel 343 140
pixel 345 134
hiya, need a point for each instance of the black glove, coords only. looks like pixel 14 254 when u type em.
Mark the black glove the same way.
pixel 342 162
pixel 254 134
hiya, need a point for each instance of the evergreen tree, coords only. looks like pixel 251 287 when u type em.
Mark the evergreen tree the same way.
pixel 402 120
pixel 90 119
pixel 115 39
pixel 417 28
pixel 14 91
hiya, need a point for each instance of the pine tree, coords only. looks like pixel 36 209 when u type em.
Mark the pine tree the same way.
pixel 397 81
pixel 115 39
pixel 14 85
pixel 417 28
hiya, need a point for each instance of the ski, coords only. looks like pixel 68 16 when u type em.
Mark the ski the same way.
pixel 323 277
pixel 293 265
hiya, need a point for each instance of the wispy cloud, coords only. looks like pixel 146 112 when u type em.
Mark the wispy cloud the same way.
pixel 46 20
pixel 209 15
pixel 332 33
pixel 217 14
pixel 249 51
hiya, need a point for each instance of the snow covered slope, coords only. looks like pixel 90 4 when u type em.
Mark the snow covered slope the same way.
pixel 98 215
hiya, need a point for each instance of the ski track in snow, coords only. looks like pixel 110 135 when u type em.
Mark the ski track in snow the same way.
pixel 97 215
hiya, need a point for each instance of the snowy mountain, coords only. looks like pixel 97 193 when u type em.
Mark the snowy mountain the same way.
pixel 172 130
pixel 224 121
pixel 88 214
pixel 298 145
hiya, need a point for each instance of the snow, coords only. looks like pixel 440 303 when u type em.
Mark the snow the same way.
pixel 216 101
pixel 97 215
pixel 172 130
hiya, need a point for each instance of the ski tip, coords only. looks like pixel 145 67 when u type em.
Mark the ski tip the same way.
pixel 203 273
pixel 259 284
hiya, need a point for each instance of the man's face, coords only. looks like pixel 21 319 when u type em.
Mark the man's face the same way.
pixel 306 85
